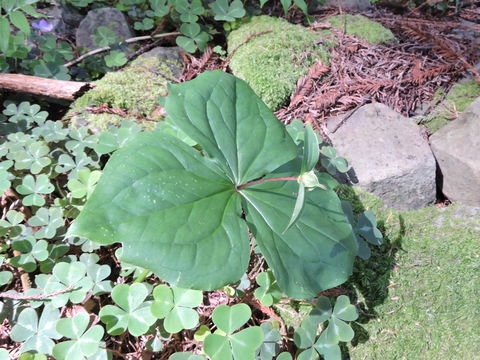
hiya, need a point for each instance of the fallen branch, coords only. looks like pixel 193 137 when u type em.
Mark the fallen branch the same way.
pixel 57 89
pixel 128 41
pixel 36 297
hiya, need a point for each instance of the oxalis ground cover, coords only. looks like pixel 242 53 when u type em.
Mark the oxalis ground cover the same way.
pixel 222 234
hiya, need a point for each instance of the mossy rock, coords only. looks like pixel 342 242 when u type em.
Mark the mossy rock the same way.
pixel 362 27
pixel 272 63
pixel 458 98
pixel 134 89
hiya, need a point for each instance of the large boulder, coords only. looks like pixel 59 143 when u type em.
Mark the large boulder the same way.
pixel 456 147
pixel 389 156
pixel 109 17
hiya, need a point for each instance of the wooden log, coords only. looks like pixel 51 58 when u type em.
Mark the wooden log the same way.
pixel 57 89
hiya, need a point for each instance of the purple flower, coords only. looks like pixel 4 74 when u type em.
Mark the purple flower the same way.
pixel 42 25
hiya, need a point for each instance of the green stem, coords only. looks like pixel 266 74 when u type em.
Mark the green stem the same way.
pixel 287 178
pixel 142 276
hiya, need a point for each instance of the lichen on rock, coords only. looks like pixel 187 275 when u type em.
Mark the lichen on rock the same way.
pixel 362 27
pixel 272 63
pixel 134 89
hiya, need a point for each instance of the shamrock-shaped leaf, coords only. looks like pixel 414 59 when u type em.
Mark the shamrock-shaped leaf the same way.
pixel 160 7
pixel 31 250
pixel 84 184
pixel 98 273
pixel 68 275
pixel 36 334
pixel 189 10
pixel 132 313
pixel 80 140
pixel 117 58
pixel 228 11
pixel 83 343
pixel 188 355
pixel 49 220
pixel 331 162
pixel 146 24
pixel 51 131
pixel 104 36
pixel 73 165
pixel 51 70
pixel 269 292
pixel 11 226
pixel 5 277
pixel 116 138
pixel 34 188
pixel 194 37
pixel 271 342
pixel 242 345
pixel 328 350
pixel 175 306
pixel 33 158
pixel 367 228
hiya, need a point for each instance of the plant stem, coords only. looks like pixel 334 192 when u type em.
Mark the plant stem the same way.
pixel 287 178
pixel 142 276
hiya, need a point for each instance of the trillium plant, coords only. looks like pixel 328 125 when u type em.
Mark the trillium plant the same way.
pixel 185 212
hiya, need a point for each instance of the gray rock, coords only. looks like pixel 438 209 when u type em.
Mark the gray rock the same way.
pixel 109 17
pixel 172 56
pixel 456 147
pixel 64 19
pixel 388 156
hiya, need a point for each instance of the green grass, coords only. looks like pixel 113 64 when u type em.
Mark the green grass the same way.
pixel 431 310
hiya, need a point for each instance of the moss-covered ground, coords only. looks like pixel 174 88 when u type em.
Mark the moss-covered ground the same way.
pixel 419 292
pixel 458 98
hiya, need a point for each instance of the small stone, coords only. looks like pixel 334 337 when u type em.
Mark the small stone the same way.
pixel 109 17
pixel 388 156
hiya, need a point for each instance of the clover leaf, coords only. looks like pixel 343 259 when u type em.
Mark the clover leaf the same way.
pixel 104 36
pixel 83 343
pixel 116 138
pixel 189 10
pixel 241 345
pixel 80 139
pixel 336 331
pixel 51 131
pixel 188 355
pixel 68 275
pixel 367 228
pixel 11 226
pixel 34 188
pixel 31 250
pixel 36 334
pixel 160 198
pixel 269 292
pixel 49 220
pixel 331 162
pixel 84 184
pixel 271 342
pixel 225 11
pixel 132 313
pixel 117 58
pixel 194 37
pixel 175 306
pixel 33 158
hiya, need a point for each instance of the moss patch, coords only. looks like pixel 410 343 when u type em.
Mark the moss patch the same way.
pixel 458 98
pixel 272 63
pixel 135 89
pixel 362 27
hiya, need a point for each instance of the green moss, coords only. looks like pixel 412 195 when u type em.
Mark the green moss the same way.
pixel 458 98
pixel 135 88
pixel 362 27
pixel 272 63
pixel 424 304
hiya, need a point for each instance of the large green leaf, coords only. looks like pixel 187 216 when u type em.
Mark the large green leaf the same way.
pixel 232 124
pixel 317 252
pixel 178 211
pixel 154 197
